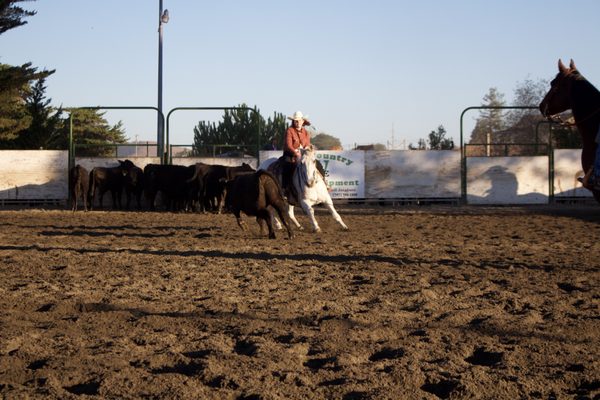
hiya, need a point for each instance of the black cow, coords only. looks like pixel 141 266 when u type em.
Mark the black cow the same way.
pixel 252 194
pixel 79 182
pixel 104 179
pixel 171 182
pixel 215 180
pixel 197 182
pixel 134 185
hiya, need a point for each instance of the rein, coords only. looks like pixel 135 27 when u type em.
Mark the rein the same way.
pixel 556 118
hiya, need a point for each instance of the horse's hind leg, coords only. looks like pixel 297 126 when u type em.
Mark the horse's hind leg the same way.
pixel 274 219
pixel 293 217
pixel 335 214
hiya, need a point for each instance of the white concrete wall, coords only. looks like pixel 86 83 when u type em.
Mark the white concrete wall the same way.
pixel 34 174
pixel 567 167
pixel 90 163
pixel 507 180
pixel 412 174
pixel 42 174
pixel 229 162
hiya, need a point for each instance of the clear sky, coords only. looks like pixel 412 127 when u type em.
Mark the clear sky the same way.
pixel 364 71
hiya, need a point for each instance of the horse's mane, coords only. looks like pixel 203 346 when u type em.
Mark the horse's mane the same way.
pixel 585 97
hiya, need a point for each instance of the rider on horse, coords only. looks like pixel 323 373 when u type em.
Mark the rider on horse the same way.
pixel 296 137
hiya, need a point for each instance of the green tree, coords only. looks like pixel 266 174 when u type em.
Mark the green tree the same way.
pixel 528 93
pixel 11 15
pixel 421 145
pixel 15 89
pixel 15 81
pixel 45 121
pixel 324 141
pixel 91 133
pixel 439 141
pixel 490 119
pixel 237 131
pixel 274 128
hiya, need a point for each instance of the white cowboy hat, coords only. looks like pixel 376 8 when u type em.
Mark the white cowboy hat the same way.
pixel 299 116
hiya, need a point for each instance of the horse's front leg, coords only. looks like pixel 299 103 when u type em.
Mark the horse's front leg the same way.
pixel 310 212
pixel 335 214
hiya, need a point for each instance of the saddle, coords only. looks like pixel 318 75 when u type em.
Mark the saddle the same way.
pixel 277 168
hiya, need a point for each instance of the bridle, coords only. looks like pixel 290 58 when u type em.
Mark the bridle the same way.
pixel 558 119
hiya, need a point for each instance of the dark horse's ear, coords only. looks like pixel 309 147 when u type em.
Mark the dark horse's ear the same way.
pixel 561 67
pixel 572 64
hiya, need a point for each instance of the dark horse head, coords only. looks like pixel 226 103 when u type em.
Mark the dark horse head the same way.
pixel 569 90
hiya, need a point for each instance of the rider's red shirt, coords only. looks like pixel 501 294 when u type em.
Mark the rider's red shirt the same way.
pixel 295 139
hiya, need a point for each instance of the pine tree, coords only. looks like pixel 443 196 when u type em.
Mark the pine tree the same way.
pixel 11 16
pixel 237 130
pixel 92 134
pixel 14 91
pixel 490 119
pixel 45 120
pixel 15 81
pixel 439 141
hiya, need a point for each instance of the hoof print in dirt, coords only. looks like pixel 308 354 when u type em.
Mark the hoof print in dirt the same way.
pixel 46 307
pixel 569 287
pixel 485 358
pixel 245 348
pixel 88 388
pixel 187 369
pixel 442 389
pixel 334 382
pixel 222 382
pixel 320 363
pixel 197 354
pixel 249 397
pixel 386 354
pixel 356 396
pixel 38 364
pixel 419 333
pixel 575 368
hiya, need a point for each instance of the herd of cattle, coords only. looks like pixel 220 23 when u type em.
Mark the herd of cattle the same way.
pixel 200 187
pixel 197 187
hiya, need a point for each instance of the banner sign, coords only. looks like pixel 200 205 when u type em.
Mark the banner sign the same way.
pixel 345 173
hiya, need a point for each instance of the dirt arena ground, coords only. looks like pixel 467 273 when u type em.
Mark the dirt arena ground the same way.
pixel 412 303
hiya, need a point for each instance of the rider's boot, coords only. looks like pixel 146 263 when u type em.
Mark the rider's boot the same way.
pixel 588 179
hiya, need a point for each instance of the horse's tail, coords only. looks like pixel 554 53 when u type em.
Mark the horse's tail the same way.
pixel 92 187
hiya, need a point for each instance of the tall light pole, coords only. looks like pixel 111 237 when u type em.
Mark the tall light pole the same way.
pixel 163 18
